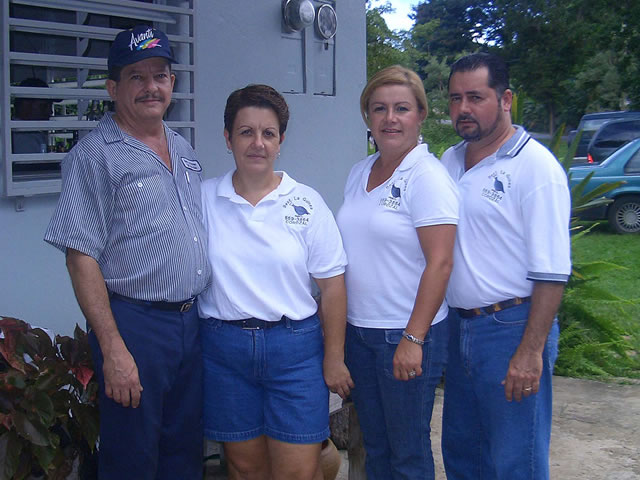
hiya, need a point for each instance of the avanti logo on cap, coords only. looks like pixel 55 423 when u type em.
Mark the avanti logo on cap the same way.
pixel 144 40
pixel 138 43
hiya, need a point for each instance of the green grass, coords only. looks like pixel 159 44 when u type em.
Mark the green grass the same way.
pixel 623 250
pixel 601 336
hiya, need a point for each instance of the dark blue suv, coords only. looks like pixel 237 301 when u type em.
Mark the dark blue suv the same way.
pixel 611 136
pixel 591 122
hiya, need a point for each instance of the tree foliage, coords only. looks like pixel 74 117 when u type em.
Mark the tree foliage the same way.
pixel 384 47
pixel 568 57
pixel 453 27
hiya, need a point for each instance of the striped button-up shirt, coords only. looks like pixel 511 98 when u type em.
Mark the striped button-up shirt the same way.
pixel 139 220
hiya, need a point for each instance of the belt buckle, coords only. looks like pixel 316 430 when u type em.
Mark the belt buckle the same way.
pixel 247 327
pixel 185 307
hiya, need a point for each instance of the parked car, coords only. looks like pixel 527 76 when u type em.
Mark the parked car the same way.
pixel 611 136
pixel 589 123
pixel 623 213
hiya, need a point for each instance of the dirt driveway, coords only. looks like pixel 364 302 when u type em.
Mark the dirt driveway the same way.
pixel 595 436
pixel 596 430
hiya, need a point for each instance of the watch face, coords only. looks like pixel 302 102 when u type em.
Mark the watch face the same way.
pixel 327 21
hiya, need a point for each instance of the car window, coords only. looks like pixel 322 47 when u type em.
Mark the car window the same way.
pixel 616 134
pixel 610 143
pixel 633 165
pixel 594 124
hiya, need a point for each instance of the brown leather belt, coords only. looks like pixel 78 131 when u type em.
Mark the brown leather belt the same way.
pixel 489 309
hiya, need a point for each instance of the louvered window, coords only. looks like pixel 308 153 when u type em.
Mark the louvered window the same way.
pixel 54 67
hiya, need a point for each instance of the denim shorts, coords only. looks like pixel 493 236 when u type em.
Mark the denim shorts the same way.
pixel 264 382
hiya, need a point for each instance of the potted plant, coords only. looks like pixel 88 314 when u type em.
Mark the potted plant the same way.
pixel 48 402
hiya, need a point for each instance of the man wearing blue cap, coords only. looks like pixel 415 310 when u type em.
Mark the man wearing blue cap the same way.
pixel 129 220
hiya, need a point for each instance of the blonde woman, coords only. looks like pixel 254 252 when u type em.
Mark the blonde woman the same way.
pixel 398 224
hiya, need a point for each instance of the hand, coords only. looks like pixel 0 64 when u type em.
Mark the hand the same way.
pixel 523 376
pixel 408 358
pixel 337 377
pixel 121 382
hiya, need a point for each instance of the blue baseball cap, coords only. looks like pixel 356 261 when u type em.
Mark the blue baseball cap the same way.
pixel 138 43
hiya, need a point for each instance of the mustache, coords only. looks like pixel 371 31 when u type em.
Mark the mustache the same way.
pixel 465 118
pixel 149 96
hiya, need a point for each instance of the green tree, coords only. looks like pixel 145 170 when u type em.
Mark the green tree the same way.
pixel 600 83
pixel 384 47
pixel 536 39
pixel 569 57
pixel 565 55
pixel 626 44
pixel 452 27
pixel 436 78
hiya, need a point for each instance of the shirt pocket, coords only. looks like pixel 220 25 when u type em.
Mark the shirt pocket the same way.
pixel 144 206
pixel 193 194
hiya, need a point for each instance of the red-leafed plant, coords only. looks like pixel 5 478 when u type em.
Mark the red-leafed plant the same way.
pixel 48 402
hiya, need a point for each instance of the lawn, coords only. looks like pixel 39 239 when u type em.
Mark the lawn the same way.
pixel 623 250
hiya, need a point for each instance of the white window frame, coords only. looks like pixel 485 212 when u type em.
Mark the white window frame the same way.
pixel 174 17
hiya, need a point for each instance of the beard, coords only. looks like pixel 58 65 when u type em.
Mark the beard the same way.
pixel 478 133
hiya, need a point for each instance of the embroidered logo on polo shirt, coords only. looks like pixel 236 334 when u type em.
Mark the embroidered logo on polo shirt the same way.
pixel 500 184
pixel 394 193
pixel 301 208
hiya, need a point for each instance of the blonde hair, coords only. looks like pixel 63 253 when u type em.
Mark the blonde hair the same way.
pixel 393 75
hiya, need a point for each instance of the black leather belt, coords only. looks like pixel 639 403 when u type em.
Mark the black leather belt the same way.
pixel 489 309
pixel 256 323
pixel 182 307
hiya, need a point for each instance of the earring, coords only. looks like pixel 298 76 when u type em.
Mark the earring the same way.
pixel 420 139
pixel 229 151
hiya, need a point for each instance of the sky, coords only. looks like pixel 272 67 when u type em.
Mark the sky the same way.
pixel 399 19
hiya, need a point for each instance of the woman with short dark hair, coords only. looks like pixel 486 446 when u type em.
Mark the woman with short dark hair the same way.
pixel 264 359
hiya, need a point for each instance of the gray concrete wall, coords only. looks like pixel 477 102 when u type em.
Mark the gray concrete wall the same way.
pixel 34 285
pixel 238 42
pixel 326 134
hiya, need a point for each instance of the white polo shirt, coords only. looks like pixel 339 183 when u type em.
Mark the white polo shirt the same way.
pixel 263 257
pixel 514 223
pixel 379 233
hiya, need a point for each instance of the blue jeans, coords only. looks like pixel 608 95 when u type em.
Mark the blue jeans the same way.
pixel 162 438
pixel 395 416
pixel 485 437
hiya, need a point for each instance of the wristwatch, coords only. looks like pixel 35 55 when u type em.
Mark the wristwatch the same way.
pixel 411 338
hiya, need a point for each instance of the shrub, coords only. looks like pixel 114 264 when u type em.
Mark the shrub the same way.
pixel 48 411
pixel 590 345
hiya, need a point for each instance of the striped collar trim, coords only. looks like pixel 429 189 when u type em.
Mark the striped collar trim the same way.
pixel 514 145
pixel 511 148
